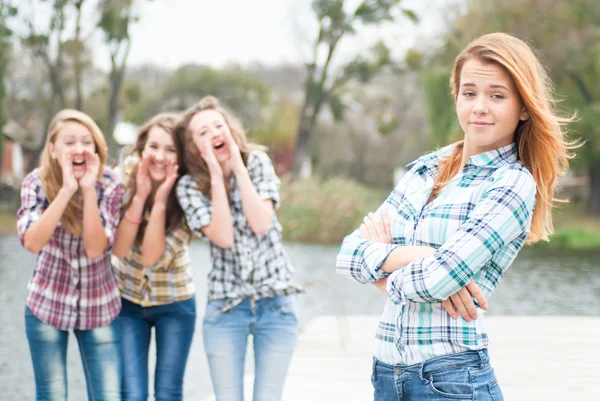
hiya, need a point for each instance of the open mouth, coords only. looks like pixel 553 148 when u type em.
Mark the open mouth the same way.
pixel 78 163
pixel 220 145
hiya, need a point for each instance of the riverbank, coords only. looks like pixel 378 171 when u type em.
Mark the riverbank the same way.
pixel 324 212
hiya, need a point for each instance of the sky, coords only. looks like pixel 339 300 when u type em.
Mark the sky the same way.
pixel 174 32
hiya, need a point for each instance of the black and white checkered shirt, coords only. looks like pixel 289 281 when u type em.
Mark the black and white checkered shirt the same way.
pixel 257 266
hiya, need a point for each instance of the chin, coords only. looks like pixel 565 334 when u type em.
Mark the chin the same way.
pixel 158 178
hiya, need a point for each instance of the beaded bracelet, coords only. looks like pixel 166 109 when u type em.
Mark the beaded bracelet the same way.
pixel 132 221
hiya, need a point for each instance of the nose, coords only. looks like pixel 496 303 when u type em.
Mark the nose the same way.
pixel 480 105
pixel 78 147
pixel 159 155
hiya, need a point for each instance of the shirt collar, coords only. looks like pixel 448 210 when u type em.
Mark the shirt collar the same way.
pixel 494 158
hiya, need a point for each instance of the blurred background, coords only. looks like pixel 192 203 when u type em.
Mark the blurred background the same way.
pixel 343 93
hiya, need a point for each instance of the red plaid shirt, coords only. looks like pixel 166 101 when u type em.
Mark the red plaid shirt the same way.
pixel 68 290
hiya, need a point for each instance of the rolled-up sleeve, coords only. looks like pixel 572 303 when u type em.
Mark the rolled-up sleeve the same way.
pixel 32 203
pixel 360 259
pixel 109 206
pixel 502 216
pixel 195 205
pixel 263 177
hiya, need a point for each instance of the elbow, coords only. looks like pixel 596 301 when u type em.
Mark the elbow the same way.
pixel 261 230
pixel 225 243
pixel 262 227
pixel 148 261
pixel 118 253
pixel 94 253
pixel 31 247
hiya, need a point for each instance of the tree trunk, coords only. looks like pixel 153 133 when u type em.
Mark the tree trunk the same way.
pixel 301 151
pixel 113 115
pixel 593 204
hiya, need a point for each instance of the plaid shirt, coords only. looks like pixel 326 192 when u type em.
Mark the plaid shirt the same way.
pixel 170 279
pixel 68 290
pixel 256 266
pixel 477 223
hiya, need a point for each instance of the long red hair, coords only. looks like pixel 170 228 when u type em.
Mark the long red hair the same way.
pixel 541 140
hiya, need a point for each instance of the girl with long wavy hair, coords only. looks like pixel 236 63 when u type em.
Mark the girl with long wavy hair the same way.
pixel 69 216
pixel 456 221
pixel 229 198
pixel 155 273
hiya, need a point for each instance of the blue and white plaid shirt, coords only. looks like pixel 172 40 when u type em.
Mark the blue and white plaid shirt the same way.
pixel 477 224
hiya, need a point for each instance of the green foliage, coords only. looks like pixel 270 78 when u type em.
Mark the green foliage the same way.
pixel 440 106
pixel 278 126
pixel 325 211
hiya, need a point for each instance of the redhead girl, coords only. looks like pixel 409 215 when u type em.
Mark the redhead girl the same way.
pixel 459 218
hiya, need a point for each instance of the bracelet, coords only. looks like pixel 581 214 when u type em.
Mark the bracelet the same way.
pixel 132 221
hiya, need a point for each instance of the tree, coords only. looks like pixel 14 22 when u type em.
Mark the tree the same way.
pixel 61 47
pixel 321 87
pixel 116 17
pixel 7 12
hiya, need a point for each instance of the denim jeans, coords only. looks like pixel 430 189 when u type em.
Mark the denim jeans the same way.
pixel 463 376
pixel 273 324
pixel 174 329
pixel 100 351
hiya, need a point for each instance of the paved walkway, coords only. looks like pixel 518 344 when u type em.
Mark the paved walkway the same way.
pixel 554 358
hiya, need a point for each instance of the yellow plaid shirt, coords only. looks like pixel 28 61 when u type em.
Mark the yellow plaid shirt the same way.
pixel 170 279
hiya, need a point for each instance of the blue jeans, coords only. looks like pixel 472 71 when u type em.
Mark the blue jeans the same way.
pixel 174 329
pixel 274 327
pixel 463 376
pixel 100 351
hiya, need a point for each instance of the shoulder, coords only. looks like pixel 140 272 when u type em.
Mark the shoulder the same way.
pixel 513 173
pixel 124 169
pixel 432 158
pixel 258 158
pixel 32 179
pixel 186 181
pixel 515 182
pixel 110 179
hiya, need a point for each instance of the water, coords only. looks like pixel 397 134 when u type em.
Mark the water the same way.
pixel 539 283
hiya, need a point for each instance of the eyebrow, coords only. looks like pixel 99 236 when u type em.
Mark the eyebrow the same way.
pixel 494 86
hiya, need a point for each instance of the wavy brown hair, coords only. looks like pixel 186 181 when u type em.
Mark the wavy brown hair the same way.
pixel 541 140
pixel 175 217
pixel 51 171
pixel 194 162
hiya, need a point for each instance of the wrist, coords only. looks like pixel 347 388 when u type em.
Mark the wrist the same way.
pixel 159 207
pixel 89 193
pixel 67 192
pixel 139 199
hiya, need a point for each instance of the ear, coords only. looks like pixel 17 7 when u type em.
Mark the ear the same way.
pixel 524 115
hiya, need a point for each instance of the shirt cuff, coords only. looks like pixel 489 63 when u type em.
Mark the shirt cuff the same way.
pixel 394 287
pixel 376 254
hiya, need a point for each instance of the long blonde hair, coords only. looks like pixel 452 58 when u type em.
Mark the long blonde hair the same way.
pixel 541 141
pixel 175 217
pixel 194 162
pixel 51 171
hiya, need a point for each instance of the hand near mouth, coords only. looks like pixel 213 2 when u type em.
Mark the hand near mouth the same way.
pixel 208 154
pixel 92 167
pixel 162 193
pixel 69 181
pixel 235 156
pixel 143 183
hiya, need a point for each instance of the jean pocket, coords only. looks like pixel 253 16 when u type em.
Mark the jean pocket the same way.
pixel 495 391
pixel 452 384
pixel 285 307
pixel 213 311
